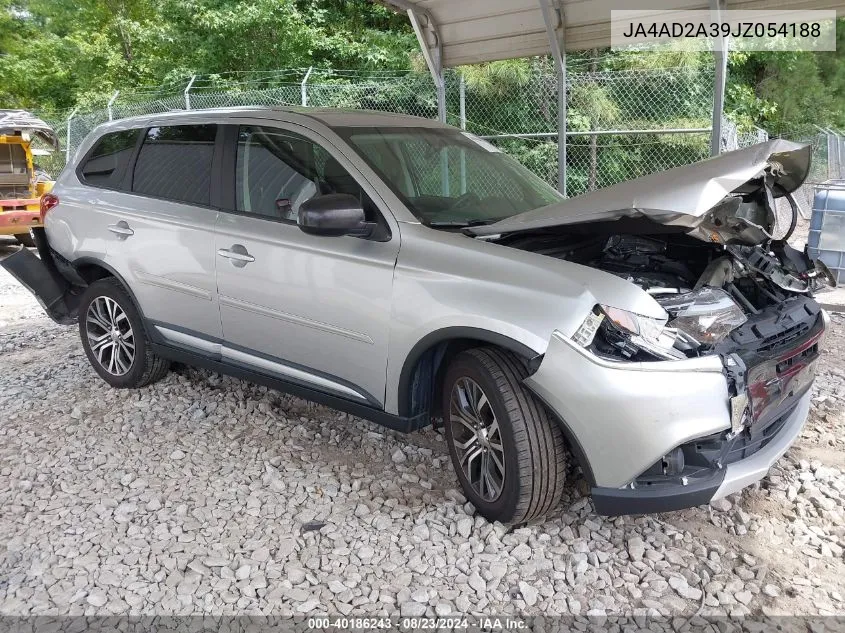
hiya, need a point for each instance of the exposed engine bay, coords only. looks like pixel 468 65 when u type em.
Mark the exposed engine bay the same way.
pixel 709 290
pixel 700 239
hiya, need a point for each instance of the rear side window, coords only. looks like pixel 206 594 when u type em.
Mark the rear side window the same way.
pixel 175 163
pixel 106 163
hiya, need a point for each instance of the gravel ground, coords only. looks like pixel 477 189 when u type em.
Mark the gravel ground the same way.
pixel 205 494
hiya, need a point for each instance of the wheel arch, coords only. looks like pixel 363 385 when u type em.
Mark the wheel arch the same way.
pixel 423 366
pixel 90 269
pixel 423 369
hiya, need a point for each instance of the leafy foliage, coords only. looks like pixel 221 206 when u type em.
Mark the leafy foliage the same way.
pixel 58 53
pixel 787 93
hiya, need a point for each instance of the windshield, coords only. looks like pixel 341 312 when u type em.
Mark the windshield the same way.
pixel 448 177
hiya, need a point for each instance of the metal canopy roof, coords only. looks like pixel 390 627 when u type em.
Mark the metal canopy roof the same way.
pixel 458 32
pixel 473 31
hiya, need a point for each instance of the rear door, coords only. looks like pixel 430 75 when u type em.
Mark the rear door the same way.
pixel 307 308
pixel 161 235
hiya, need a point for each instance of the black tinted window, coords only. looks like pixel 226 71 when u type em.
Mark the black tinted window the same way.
pixel 175 163
pixel 278 170
pixel 106 164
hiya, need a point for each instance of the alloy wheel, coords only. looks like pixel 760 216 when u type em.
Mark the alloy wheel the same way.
pixel 110 335
pixel 477 438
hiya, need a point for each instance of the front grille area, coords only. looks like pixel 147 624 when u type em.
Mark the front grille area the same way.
pixel 780 349
pixel 783 339
pixel 773 330
pixel 786 364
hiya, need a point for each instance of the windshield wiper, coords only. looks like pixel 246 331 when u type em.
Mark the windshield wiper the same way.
pixel 461 225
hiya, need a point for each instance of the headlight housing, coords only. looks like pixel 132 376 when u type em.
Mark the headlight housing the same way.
pixel 701 317
pixel 646 333
pixel 707 315
pixel 637 324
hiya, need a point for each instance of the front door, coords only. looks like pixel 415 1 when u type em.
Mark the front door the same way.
pixel 311 309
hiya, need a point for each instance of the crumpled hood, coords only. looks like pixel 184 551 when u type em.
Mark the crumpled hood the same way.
pixel 682 196
pixel 21 121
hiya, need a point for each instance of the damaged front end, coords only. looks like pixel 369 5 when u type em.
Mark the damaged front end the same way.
pixel 751 307
pixel 730 289
pixel 699 239
pixel 709 293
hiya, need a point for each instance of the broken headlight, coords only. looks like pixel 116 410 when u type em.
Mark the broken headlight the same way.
pixel 644 333
pixel 707 315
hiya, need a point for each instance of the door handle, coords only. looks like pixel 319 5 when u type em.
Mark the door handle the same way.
pixel 121 229
pixel 238 254
pixel 240 257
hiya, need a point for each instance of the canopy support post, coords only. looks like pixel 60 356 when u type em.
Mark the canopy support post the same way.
pixel 720 54
pixel 555 21
pixel 67 141
pixel 432 51
pixel 462 95
pixel 303 87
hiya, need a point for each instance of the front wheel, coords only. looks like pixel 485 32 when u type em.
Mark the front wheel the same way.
pixel 114 338
pixel 508 454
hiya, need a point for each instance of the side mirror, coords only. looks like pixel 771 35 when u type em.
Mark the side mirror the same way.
pixel 333 215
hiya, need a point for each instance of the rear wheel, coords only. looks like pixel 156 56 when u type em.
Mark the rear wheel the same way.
pixel 114 338
pixel 25 239
pixel 508 454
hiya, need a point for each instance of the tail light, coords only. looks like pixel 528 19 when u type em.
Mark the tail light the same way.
pixel 48 201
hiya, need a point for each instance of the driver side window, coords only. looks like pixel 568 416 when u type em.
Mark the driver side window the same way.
pixel 277 170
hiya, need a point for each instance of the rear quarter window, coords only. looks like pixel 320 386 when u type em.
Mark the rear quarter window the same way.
pixel 106 163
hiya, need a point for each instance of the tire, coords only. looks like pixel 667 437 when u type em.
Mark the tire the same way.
pixel 532 447
pixel 104 304
pixel 25 239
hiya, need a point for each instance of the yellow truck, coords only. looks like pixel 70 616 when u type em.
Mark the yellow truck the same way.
pixel 21 182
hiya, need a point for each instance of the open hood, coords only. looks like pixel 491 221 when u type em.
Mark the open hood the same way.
pixel 727 198
pixel 13 121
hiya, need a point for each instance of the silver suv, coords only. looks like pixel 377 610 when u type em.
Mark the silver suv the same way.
pixel 410 273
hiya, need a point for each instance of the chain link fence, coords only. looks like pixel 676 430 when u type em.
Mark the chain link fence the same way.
pixel 621 123
pixel 827 164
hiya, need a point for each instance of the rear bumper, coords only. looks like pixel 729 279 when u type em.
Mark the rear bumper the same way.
pixel 18 216
pixel 39 275
pixel 723 482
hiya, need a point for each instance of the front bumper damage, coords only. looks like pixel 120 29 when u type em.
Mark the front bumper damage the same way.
pixel 660 436
pixel 716 483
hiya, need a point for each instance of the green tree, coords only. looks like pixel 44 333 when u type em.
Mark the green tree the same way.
pixel 60 53
pixel 786 93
